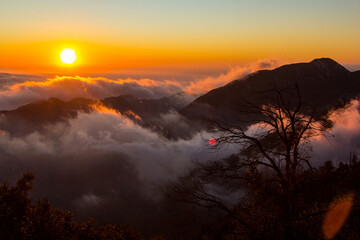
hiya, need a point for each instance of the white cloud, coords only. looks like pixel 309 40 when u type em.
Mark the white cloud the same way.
pixel 204 85
pixel 346 138
pixel 17 90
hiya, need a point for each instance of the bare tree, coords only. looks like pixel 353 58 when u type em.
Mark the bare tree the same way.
pixel 273 156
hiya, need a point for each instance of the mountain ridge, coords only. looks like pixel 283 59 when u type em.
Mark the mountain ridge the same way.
pixel 37 115
pixel 322 81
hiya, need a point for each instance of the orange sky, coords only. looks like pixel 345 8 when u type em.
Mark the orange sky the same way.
pixel 118 36
pixel 43 57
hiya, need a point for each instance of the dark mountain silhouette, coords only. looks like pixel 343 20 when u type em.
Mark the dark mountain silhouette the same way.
pixel 148 109
pixel 323 83
pixel 35 116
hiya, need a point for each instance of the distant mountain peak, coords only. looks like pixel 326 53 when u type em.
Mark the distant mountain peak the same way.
pixel 324 60
pixel 329 65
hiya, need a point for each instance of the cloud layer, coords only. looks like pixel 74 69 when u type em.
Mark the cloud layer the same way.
pixel 204 85
pixel 104 165
pixel 17 90
pixel 345 139
pixel 66 88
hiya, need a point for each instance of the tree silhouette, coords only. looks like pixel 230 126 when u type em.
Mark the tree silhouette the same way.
pixel 21 219
pixel 269 169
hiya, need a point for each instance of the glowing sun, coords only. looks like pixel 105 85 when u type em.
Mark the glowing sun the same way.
pixel 68 56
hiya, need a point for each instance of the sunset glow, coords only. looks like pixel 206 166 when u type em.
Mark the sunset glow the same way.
pixel 119 35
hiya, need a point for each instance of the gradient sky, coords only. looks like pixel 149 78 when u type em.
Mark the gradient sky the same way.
pixel 113 35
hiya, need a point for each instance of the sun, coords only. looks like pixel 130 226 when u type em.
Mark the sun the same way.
pixel 68 56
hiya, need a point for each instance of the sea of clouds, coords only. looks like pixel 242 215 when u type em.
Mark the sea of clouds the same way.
pixel 17 90
pixel 102 164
